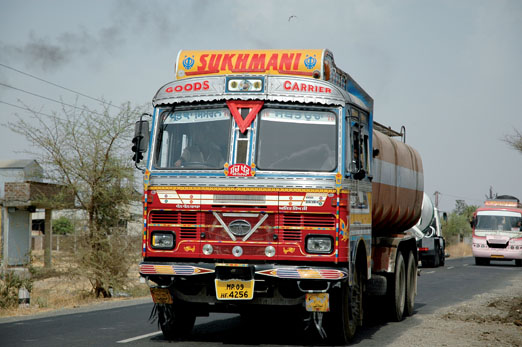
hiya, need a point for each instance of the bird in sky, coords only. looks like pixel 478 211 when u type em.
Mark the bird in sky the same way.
pixel 290 18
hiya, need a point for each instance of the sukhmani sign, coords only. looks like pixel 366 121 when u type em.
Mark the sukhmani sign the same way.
pixel 306 63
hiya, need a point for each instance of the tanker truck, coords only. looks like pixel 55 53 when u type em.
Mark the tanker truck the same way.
pixel 268 185
pixel 431 245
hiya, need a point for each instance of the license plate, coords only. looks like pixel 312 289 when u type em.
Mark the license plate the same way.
pixel 497 256
pixel 161 296
pixel 234 290
pixel 317 302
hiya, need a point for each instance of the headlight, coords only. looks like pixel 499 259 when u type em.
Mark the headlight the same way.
pixel 319 244
pixel 163 240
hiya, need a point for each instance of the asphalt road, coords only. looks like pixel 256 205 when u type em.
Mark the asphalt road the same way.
pixel 127 324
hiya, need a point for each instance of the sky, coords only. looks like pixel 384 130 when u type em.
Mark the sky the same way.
pixel 449 71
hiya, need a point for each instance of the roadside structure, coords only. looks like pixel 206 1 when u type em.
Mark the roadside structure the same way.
pixel 22 191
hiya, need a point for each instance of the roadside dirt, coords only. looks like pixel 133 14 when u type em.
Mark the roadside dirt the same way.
pixel 492 319
pixel 489 319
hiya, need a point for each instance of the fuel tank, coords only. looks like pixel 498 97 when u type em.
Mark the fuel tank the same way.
pixel 398 186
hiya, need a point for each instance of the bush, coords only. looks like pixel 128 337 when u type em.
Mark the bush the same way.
pixel 105 260
pixel 10 284
pixel 456 227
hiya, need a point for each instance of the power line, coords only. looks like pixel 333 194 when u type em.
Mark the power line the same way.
pixel 459 197
pixel 59 86
pixel 25 108
pixel 50 99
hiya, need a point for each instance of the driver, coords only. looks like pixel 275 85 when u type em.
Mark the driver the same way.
pixel 202 151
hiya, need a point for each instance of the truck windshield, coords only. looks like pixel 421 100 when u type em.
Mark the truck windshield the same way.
pixel 499 222
pixel 193 139
pixel 296 140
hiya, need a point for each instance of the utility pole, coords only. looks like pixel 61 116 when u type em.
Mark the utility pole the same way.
pixel 490 193
pixel 436 199
pixel 48 238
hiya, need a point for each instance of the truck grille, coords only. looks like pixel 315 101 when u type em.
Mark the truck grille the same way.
pixel 188 233
pixel 177 217
pixel 308 220
pixel 297 221
pixel 173 217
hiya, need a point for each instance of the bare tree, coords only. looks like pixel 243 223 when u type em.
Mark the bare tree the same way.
pixel 515 140
pixel 88 152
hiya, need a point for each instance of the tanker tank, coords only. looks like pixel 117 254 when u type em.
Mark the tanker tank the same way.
pixel 398 186
pixel 422 228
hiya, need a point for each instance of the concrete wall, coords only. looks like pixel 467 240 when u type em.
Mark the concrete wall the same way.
pixel 19 238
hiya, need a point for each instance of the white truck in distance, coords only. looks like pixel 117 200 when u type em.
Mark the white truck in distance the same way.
pixel 428 233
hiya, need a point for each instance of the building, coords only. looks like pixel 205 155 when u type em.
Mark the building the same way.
pixel 22 191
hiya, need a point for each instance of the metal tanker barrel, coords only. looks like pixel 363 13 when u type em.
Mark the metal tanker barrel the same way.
pixel 427 214
pixel 398 185
pixel 423 226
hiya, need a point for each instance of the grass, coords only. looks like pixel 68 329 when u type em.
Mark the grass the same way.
pixel 459 250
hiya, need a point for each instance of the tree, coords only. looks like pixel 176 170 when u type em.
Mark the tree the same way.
pixel 515 140
pixel 458 223
pixel 87 151
pixel 62 226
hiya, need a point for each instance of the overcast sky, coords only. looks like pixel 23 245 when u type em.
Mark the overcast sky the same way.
pixel 449 71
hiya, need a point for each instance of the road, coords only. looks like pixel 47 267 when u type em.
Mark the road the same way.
pixel 439 287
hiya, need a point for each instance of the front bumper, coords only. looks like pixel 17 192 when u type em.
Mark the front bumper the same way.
pixel 282 285
pixel 147 269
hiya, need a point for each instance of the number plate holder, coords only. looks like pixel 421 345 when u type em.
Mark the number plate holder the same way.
pixel 234 289
pixel 317 302
pixel 161 295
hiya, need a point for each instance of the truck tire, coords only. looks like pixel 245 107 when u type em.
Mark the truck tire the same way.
pixel 397 295
pixel 175 321
pixel 346 311
pixel 442 256
pixel 518 262
pixel 411 284
pixel 436 257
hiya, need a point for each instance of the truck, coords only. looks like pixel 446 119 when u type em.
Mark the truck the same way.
pixel 497 231
pixel 431 245
pixel 268 186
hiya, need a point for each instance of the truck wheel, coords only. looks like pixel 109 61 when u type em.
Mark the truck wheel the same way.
pixel 442 256
pixel 346 311
pixel 518 262
pixel 436 257
pixel 175 321
pixel 398 290
pixel 411 284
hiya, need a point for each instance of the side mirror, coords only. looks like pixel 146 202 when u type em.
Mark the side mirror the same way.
pixel 141 140
pixel 360 174
pixel 472 222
